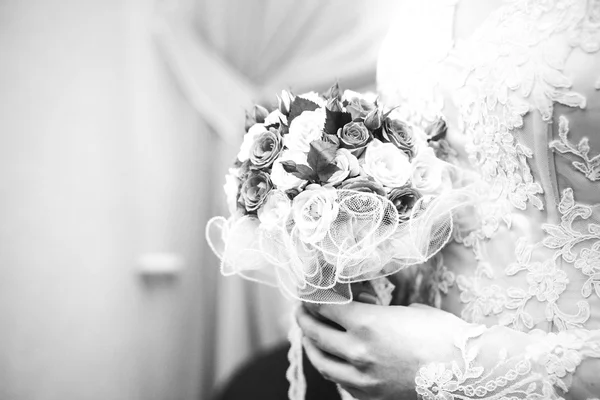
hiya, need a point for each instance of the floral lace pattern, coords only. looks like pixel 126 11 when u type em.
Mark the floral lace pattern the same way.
pixel 543 372
pixel 565 238
pixel 590 167
pixel 511 73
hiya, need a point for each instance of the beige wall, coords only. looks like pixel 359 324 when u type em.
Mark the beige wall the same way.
pixel 84 190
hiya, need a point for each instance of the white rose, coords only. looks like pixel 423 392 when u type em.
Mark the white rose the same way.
pixel 304 129
pixel 314 211
pixel 275 210
pixel 429 173
pixel 282 179
pixel 249 138
pixel 387 164
pixel 231 188
pixel 314 97
pixel 275 117
pixel 348 165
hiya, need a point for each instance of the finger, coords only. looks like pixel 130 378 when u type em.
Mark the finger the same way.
pixel 348 316
pixel 325 337
pixel 332 369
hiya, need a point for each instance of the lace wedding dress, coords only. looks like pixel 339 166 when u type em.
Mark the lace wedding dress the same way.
pixel 522 99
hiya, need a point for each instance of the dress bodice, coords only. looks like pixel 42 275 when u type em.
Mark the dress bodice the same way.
pixel 522 100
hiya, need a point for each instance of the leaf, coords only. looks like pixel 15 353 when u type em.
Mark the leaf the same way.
pixel 516 293
pixel 581 167
pixel 584 146
pixel 513 269
pixel 300 171
pixel 527 320
pixel 563 127
pixel 321 154
pixel 513 304
pixel 594 229
pixel 567 201
pixel 333 139
pixel 559 146
pixel 597 288
pixel 555 78
pixel 474 372
pixel 531 387
pixel 586 290
pixel 335 120
pixel 327 172
pixel 558 237
pixel 299 105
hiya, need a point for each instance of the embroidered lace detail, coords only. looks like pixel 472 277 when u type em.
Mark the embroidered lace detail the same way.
pixel 565 238
pixel 481 300
pixel 503 162
pixel 543 371
pixel 516 63
pixel 590 167
pixel 546 279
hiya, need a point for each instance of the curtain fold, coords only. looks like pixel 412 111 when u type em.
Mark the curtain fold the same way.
pixel 224 55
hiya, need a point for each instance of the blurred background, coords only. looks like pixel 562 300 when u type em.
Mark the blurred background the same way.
pixel 118 120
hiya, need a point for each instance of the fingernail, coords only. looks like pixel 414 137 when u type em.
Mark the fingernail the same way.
pixel 366 298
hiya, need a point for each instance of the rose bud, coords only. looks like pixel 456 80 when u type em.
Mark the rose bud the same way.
pixel 400 134
pixel 333 92
pixel 284 103
pixel 374 119
pixel 257 115
pixel 255 189
pixel 334 105
pixel 363 184
pixel 404 200
pixel 354 135
pixel 437 130
pixel 266 148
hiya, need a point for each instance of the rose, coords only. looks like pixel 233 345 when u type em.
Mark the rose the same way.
pixel 387 164
pixel 275 210
pixel 304 129
pixel 282 179
pixel 400 134
pixel 255 189
pixel 347 164
pixel 231 188
pixel 404 200
pixel 314 211
pixel 358 105
pixel 266 148
pixel 363 184
pixel 249 138
pixel 429 174
pixel 354 135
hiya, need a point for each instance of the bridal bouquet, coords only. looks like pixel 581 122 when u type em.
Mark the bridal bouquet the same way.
pixel 328 190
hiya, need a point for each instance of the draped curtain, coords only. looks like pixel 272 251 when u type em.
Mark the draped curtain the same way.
pixel 225 55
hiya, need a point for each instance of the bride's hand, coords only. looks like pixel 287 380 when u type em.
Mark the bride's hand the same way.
pixel 374 352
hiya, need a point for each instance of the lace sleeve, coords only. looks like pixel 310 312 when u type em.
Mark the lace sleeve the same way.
pixel 535 365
